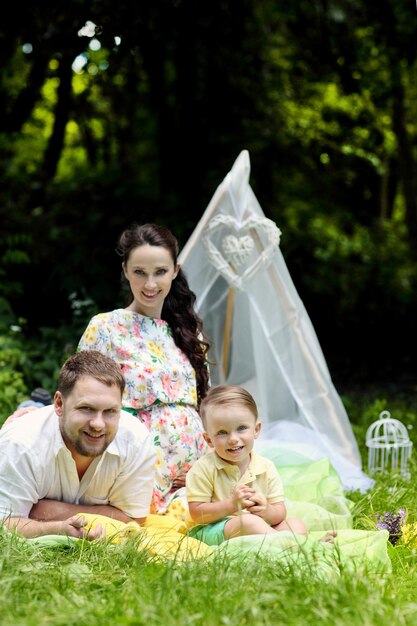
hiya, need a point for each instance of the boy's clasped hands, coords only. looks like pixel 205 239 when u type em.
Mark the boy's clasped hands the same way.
pixel 245 497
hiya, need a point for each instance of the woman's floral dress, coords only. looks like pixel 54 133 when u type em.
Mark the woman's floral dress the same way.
pixel 160 390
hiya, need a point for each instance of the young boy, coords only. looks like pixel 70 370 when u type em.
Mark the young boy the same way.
pixel 232 490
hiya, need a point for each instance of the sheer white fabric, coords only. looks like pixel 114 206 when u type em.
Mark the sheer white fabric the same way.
pixel 262 337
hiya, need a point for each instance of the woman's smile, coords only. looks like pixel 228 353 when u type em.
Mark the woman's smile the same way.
pixel 150 271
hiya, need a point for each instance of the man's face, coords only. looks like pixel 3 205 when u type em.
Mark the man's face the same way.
pixel 89 416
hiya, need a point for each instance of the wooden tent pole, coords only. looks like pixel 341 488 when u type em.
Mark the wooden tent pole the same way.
pixel 228 327
pixel 228 330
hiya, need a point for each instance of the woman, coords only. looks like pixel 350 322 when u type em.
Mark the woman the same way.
pixel 158 341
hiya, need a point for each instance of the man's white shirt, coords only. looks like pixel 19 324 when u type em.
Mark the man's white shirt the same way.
pixel 35 464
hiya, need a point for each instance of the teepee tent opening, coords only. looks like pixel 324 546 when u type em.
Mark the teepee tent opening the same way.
pixel 261 335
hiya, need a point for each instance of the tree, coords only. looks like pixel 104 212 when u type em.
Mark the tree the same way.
pixel 123 112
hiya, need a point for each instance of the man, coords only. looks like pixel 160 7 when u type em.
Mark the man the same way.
pixel 82 454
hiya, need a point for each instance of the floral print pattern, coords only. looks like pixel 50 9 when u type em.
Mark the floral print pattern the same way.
pixel 160 390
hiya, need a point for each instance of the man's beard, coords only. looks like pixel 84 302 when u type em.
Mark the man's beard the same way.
pixel 89 451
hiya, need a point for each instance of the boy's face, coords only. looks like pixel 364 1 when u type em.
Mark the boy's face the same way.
pixel 231 431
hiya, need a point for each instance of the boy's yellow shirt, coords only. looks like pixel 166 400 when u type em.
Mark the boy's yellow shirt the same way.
pixel 211 479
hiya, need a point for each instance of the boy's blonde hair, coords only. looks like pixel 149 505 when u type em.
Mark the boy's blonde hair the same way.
pixel 227 395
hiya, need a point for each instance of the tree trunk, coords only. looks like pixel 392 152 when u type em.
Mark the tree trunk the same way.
pixel 13 120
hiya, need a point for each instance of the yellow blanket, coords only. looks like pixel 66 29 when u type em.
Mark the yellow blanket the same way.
pixel 161 535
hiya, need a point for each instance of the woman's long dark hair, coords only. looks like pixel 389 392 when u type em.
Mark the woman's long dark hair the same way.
pixel 178 309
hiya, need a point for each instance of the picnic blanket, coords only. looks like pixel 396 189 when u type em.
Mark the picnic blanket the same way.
pixel 314 493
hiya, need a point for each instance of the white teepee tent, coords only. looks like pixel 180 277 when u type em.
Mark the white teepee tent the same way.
pixel 262 337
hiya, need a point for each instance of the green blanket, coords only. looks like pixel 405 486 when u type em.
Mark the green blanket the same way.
pixel 314 493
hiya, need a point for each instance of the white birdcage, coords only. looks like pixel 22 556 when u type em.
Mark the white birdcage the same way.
pixel 389 445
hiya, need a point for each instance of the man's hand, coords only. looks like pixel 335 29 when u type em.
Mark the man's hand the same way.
pixel 76 526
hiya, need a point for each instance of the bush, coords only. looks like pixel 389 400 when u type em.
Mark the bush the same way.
pixel 12 386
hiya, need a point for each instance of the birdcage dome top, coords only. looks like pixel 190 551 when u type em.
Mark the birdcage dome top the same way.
pixel 387 431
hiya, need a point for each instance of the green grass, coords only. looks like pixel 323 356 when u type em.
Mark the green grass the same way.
pixel 98 584
pixel 92 584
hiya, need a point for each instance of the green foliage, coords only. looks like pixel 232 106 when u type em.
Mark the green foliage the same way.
pixel 33 361
pixel 13 255
pixel 12 387
pixel 43 356
pixel 322 95
pixel 46 351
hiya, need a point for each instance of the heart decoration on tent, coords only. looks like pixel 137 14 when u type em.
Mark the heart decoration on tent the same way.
pixel 238 247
